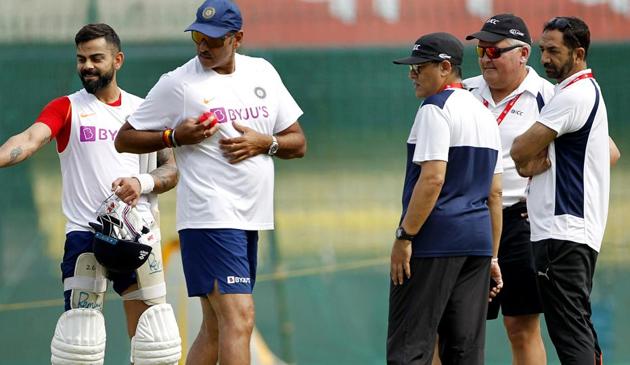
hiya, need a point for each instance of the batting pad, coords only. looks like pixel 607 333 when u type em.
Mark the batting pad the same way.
pixel 157 339
pixel 79 338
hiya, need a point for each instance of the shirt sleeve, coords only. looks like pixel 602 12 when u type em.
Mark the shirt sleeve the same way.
pixel 288 109
pixel 560 114
pixel 162 108
pixel 56 115
pixel 433 135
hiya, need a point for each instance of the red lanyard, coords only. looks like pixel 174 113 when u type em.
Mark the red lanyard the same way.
pixel 455 85
pixel 581 77
pixel 507 108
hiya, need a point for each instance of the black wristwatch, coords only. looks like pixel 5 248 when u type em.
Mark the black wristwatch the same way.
pixel 401 234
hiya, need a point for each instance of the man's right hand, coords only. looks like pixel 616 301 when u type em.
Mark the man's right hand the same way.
pixel 401 255
pixel 193 131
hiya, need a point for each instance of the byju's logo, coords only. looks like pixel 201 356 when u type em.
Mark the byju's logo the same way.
pixel 237 280
pixel 220 114
pixel 91 134
pixel 88 134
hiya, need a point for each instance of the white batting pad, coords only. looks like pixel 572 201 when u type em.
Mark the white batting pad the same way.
pixel 79 338
pixel 157 339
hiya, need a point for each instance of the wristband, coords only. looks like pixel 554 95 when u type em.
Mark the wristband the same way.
pixel 166 138
pixel 172 138
pixel 494 260
pixel 146 182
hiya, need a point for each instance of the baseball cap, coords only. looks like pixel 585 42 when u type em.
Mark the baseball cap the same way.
pixel 435 47
pixel 503 26
pixel 215 18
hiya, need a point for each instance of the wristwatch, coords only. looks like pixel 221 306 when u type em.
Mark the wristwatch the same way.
pixel 274 146
pixel 401 234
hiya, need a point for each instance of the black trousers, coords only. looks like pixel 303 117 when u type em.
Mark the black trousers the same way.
pixel 565 278
pixel 446 296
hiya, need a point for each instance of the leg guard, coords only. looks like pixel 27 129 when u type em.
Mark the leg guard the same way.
pixel 157 339
pixel 88 284
pixel 79 338
pixel 150 276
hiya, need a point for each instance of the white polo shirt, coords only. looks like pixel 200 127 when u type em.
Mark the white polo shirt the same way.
pixel 533 93
pixel 569 201
pixel 453 126
pixel 213 193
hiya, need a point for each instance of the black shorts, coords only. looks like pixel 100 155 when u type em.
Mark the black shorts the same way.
pixel 446 296
pixel 519 295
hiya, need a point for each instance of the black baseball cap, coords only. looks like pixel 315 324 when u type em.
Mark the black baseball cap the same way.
pixel 503 26
pixel 435 47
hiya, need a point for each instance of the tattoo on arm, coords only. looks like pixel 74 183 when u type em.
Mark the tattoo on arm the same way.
pixel 165 175
pixel 15 154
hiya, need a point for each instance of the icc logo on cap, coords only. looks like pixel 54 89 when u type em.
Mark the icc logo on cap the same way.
pixel 493 21
pixel 208 12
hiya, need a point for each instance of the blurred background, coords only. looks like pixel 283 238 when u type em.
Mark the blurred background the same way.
pixel 321 296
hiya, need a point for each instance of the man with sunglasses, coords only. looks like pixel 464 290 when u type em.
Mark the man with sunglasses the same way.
pixel 515 94
pixel 227 116
pixel 84 124
pixel 442 257
pixel 567 153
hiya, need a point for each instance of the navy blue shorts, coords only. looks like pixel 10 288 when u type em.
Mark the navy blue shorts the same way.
pixel 228 256
pixel 78 242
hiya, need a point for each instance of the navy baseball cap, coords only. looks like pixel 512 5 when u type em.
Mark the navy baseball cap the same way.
pixel 503 26
pixel 215 18
pixel 435 47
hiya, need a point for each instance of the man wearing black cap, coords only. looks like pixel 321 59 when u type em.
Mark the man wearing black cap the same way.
pixel 514 93
pixel 226 115
pixel 451 222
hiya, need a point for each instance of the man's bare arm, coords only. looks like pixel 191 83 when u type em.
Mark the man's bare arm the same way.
pixel 529 149
pixel 23 145
pixel 165 175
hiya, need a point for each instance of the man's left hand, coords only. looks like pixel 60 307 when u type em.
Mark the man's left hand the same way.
pixel 249 144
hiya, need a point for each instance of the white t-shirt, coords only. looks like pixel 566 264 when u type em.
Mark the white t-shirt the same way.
pixel 455 127
pixel 535 92
pixel 569 201
pixel 213 193
pixel 90 162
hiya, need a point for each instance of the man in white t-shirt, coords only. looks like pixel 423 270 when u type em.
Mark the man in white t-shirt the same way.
pixel 515 94
pixel 225 193
pixel 84 125
pixel 567 154
pixel 446 244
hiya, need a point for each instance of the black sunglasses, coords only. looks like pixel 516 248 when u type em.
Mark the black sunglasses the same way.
pixel 562 24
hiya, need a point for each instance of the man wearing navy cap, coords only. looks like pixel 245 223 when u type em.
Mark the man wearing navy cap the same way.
pixel 442 257
pixel 226 116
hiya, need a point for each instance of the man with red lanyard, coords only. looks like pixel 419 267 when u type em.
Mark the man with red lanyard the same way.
pixel 84 125
pixel 442 257
pixel 567 154
pixel 515 94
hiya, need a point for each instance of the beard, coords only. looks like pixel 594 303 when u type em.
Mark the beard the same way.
pixel 559 72
pixel 102 80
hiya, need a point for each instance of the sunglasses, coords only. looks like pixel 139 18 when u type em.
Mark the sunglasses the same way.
pixel 418 67
pixel 199 37
pixel 494 52
pixel 563 25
